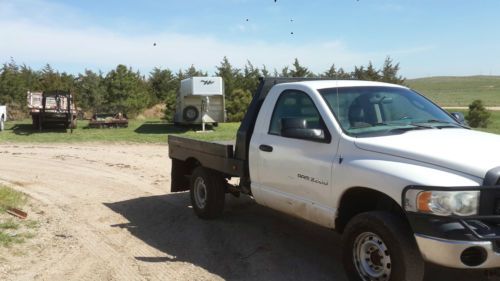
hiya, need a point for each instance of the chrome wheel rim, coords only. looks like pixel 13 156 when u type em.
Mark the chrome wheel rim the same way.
pixel 371 257
pixel 200 193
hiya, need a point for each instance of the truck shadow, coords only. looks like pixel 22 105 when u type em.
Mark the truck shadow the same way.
pixel 158 127
pixel 250 242
pixel 27 129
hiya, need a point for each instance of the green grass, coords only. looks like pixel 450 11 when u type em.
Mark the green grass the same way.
pixel 13 230
pixel 10 198
pixel 493 127
pixel 148 131
pixel 8 224
pixel 459 91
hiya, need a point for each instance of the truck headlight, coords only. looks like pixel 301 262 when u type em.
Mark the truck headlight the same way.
pixel 443 203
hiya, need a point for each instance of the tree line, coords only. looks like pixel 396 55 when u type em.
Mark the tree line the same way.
pixel 124 89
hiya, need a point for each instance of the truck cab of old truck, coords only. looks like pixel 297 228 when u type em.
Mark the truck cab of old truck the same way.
pixel 403 180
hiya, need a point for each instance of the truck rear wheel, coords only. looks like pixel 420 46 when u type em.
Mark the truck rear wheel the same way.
pixel 207 193
pixel 35 122
pixel 380 246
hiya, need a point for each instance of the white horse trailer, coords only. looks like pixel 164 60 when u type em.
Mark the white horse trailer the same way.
pixel 200 100
pixel 3 116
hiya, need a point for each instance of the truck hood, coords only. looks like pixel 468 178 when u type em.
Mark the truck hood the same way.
pixel 467 151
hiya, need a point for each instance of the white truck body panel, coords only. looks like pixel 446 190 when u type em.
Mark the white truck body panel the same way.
pixel 433 157
pixel 3 112
pixel 275 175
pixel 442 148
pixel 205 95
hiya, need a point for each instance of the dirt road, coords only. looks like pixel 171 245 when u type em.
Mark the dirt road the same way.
pixel 105 214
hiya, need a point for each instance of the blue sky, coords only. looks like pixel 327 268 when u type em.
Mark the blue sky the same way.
pixel 427 37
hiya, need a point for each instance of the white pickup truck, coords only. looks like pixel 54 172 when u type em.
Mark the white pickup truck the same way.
pixel 402 180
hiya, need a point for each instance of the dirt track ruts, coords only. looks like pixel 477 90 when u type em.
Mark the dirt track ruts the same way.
pixel 105 213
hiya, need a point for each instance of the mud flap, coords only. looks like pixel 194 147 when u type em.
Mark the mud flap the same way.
pixel 179 180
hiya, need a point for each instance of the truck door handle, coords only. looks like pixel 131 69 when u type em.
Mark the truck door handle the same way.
pixel 266 148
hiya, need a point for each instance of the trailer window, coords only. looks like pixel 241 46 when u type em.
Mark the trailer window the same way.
pixel 294 104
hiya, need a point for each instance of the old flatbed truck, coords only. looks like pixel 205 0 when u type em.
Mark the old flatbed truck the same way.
pixel 402 180
pixel 51 108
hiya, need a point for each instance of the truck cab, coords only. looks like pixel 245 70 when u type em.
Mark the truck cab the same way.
pixel 403 180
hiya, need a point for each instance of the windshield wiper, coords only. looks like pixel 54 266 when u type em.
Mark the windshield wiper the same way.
pixel 413 127
pixel 448 123
pixel 403 124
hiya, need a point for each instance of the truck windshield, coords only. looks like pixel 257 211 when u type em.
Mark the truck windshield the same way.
pixel 377 110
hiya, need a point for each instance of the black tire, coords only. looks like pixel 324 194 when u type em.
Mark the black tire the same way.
pixel 35 122
pixel 190 113
pixel 401 256
pixel 212 194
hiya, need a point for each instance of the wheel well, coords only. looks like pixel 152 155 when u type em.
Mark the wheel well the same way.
pixel 190 164
pixel 358 200
pixel 180 171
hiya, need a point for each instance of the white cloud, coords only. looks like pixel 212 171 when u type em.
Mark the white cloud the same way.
pixel 59 40
pixel 31 42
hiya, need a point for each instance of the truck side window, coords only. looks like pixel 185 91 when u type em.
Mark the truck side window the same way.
pixel 295 104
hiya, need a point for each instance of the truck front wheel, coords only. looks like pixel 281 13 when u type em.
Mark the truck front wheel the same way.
pixel 380 246
pixel 207 193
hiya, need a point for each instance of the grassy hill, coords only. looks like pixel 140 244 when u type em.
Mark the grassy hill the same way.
pixel 459 91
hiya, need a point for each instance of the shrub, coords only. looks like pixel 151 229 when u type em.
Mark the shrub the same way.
pixel 478 116
pixel 237 105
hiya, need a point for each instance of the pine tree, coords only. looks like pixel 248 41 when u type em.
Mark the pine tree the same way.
pixel 390 72
pixel 371 73
pixel 126 91
pixel 164 85
pixel 90 92
pixel 299 70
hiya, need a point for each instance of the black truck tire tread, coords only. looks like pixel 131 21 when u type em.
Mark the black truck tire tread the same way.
pixel 406 259
pixel 215 193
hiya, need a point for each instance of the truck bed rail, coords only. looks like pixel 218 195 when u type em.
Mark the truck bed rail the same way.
pixel 213 155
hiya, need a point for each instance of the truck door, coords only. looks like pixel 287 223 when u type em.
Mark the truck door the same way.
pixel 295 174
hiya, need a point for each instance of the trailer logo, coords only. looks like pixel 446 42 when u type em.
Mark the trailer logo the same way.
pixel 207 82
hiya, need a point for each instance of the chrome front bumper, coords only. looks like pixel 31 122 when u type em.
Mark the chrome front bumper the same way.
pixel 448 252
